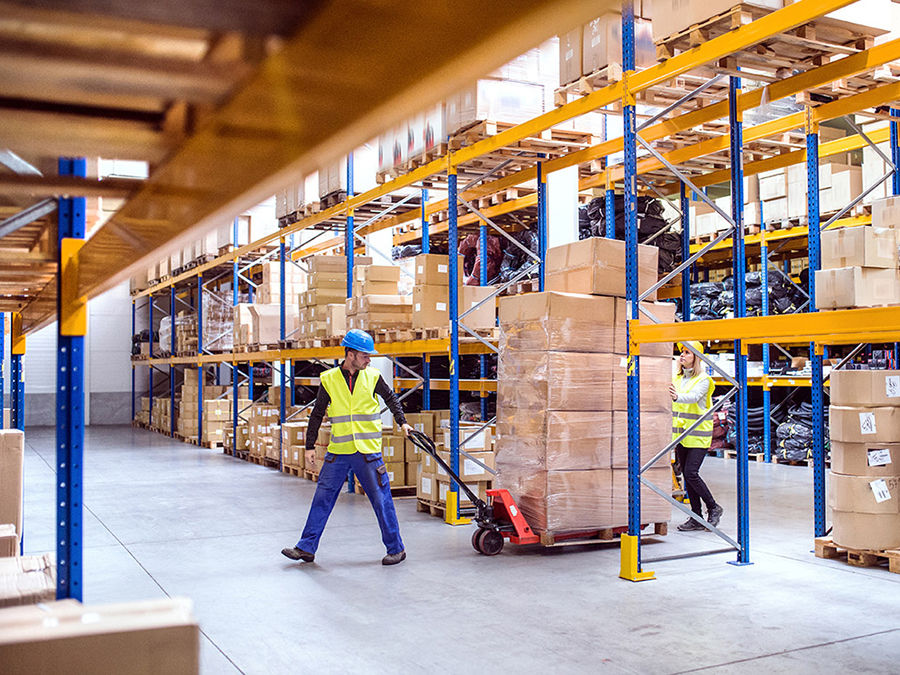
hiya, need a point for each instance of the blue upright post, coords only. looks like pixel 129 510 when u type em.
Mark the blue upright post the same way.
pixel 350 246
pixel 482 281
pixel 199 353
pixel 172 367
pixel 452 513
pixel 17 385
pixel 133 382
pixel 895 151
pixel 542 224
pixel 2 359
pixel 282 372
pixel 426 361
pixel 817 389
pixel 150 352
pixel 235 298
pixel 740 310
pixel 631 543
pixel 71 326
pixel 609 210
pixel 766 393
pixel 685 254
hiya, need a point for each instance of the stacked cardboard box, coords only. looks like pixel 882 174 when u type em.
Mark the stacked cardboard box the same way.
pixel 161 414
pixel 12 452
pixel 185 332
pixel 269 291
pixel 561 404
pixel 68 637
pixel 143 415
pixel 9 541
pixel 673 16
pixel 587 49
pixel 327 286
pixel 214 408
pixel 264 431
pixel 864 494
pixel 26 580
pixel 430 308
pixel 293 445
pixel 322 440
pixel 859 268
pixel 376 303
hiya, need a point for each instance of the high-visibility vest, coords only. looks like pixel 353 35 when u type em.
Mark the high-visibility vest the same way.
pixel 685 414
pixel 355 417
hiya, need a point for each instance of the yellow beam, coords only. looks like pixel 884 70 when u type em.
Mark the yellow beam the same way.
pixel 444 385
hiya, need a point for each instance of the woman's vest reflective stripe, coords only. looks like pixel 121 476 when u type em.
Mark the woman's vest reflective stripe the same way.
pixel 355 417
pixel 685 414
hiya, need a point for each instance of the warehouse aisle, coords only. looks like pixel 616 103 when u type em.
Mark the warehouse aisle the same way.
pixel 167 518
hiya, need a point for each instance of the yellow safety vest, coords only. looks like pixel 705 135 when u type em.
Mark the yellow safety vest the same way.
pixel 685 414
pixel 355 417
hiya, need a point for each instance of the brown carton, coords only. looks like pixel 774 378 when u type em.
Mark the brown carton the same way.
pixel 656 376
pixel 865 388
pixel 335 280
pixel 865 459
pixel 369 287
pixel 430 305
pixel 479 439
pixel 393 448
pixel 485 316
pixel 324 296
pixel 850 287
pixel 26 580
pixel 886 213
pixel 654 509
pixel 859 247
pixel 470 471
pixel 865 511
pixel 664 312
pixel 556 380
pixel 656 433
pixel 384 273
pixel 554 321
pixel 426 486
pixel 12 451
pixel 432 269
pixel 597 265
pixel 334 263
pixel 443 487
pixel 9 541
pixel 422 422
pixel 852 424
pixel 553 439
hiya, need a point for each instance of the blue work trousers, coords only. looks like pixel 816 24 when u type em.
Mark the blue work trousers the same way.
pixel 372 474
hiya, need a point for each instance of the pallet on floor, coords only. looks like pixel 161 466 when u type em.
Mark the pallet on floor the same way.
pixel 292 470
pixel 797 462
pixel 606 534
pixel 826 548
pixel 311 475
pixel 754 456
pixel 397 491
pixel 439 510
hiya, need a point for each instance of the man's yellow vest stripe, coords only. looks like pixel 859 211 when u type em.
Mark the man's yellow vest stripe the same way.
pixel 355 420
pixel 685 414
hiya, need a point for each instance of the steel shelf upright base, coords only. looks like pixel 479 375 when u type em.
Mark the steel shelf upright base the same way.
pixel 71 327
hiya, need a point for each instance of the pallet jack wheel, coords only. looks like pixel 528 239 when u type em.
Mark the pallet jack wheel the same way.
pixel 490 542
pixel 476 538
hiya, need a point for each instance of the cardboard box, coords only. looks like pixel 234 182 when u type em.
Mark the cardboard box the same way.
pixel 773 184
pixel 602 43
pixel 571 58
pixel 432 269
pixel 553 321
pixel 430 307
pixel 293 433
pixel 673 16
pixel 396 473
pixel 443 487
pixel 664 312
pixel 656 433
pixel 26 580
pixel 393 448
pixel 854 424
pixel 335 280
pixel 554 439
pixel 556 380
pixel 426 486
pixel 850 287
pixel 324 296
pixel 859 247
pixel 377 273
pixel 865 388
pixel 865 511
pixel 333 263
pixel 654 509
pixel 485 317
pixel 12 454
pixel 886 212
pixel 9 541
pixel 374 288
pixel 154 636
pixel 865 459
pixel 656 376
pixel 422 422
pixel 597 266
pixel 481 438
pixel 470 471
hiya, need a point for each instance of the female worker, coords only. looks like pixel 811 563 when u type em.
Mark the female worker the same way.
pixel 692 396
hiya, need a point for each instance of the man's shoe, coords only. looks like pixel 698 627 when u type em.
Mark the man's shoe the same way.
pixel 394 558
pixel 715 515
pixel 297 554
pixel 690 525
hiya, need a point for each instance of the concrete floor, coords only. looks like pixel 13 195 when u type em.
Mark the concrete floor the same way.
pixel 166 518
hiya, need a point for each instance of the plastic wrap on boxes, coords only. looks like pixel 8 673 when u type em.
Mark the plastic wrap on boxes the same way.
pixel 569 322
pixel 656 376
pixel 555 380
pixel 553 439
pixel 654 509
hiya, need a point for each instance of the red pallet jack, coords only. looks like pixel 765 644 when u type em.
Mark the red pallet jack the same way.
pixel 498 519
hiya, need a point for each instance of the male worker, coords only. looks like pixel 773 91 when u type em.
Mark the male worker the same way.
pixel 348 395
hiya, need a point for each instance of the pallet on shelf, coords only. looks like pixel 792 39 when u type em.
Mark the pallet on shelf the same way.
pixel 333 198
pixel 826 548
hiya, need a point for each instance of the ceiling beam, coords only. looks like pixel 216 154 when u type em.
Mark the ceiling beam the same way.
pixel 65 186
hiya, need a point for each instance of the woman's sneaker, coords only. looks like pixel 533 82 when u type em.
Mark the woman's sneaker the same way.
pixel 715 515
pixel 690 525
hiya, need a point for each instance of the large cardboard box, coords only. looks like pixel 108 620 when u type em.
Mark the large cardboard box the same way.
pixel 426 486
pixel 849 287
pixel 333 263
pixel 554 439
pixel 433 269
pixel 443 487
pixel 571 58
pixel 480 438
pixel 865 511
pixel 139 638
pixel 656 434
pixel 369 287
pixel 859 247
pixel 323 296
pixel 430 307
pixel 553 321
pixel 664 312
pixel 26 580
pixel 422 422
pixel 865 388
pixel 266 323
pixel 654 509
pixel 483 318
pixel 602 43
pixel 12 453
pixel 393 448
pixel 335 280
pixel 396 473
pixel 854 424
pixel 886 213
pixel 9 541
pixel 865 459
pixel 383 273
pixel 556 380
pixel 597 266
pixel 673 16
pixel 656 376
pixel 470 471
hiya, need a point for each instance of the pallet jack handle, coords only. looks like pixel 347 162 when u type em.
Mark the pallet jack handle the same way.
pixel 427 445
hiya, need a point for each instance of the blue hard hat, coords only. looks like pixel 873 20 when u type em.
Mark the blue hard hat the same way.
pixel 359 340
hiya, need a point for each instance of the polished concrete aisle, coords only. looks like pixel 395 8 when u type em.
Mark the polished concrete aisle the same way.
pixel 167 518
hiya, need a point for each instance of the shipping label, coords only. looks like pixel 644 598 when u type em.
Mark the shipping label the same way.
pixel 867 423
pixel 878 457
pixel 880 490
pixel 892 386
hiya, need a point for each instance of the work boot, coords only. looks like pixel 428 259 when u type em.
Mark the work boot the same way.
pixel 690 525
pixel 393 558
pixel 715 515
pixel 295 553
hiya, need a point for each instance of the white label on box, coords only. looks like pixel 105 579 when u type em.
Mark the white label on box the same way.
pixel 867 423
pixel 477 440
pixel 471 468
pixel 426 484
pixel 442 269
pixel 892 386
pixel 421 269
pixel 623 363
pixel 880 489
pixel 418 307
pixel 441 306
pixel 390 476
pixel 878 457
pixel 420 427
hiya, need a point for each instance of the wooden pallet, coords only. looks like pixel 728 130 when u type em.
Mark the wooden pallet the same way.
pixel 826 548
pixel 311 475
pixel 754 456
pixel 397 491
pixel 436 509
pixel 608 534
pixel 333 199
pixel 441 333
pixel 292 470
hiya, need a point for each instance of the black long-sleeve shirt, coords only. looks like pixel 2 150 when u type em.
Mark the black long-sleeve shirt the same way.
pixel 323 399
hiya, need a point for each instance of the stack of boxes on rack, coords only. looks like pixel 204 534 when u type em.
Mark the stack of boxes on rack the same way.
pixel 376 303
pixel 859 264
pixel 217 409
pixel 322 308
pixel 161 417
pixel 431 296
pixel 864 490
pixel 561 392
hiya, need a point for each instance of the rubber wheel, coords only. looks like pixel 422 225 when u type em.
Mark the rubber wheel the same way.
pixel 490 543
pixel 476 538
